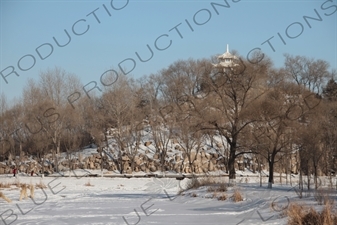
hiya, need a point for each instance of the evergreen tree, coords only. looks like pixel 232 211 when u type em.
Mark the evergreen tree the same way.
pixel 330 91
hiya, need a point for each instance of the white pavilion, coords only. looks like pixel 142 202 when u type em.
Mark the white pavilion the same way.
pixel 226 61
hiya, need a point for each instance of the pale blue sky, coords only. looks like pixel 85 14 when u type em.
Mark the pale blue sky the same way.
pixel 26 25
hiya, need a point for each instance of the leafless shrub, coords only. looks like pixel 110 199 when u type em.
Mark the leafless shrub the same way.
pixel 323 196
pixel 299 192
pixel 193 183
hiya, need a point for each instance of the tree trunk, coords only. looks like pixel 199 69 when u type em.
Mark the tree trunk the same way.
pixel 271 172
pixel 69 162
pixel 102 163
pixel 300 184
pixel 308 179
pixel 42 162
pixel 260 169
pixel 58 154
pixel 315 177
pixel 21 152
pixel 58 147
pixel 287 174
pixel 231 163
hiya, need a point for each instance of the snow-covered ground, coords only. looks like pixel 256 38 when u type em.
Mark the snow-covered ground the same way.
pixel 68 200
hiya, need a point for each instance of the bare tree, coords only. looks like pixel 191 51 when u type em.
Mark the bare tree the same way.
pixel 162 132
pixel 45 102
pixel 328 133
pixel 232 109
pixel 56 85
pixel 115 112
pixel 307 72
pixel 3 103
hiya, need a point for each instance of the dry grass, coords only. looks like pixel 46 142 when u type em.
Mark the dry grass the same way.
pixel 222 187
pixel 17 183
pixel 278 208
pixel 88 184
pixel 25 188
pixel 195 183
pixel 211 189
pixel 32 190
pixel 5 185
pixel 295 213
pixel 237 196
pixel 5 198
pixel 222 197
pixel 302 215
pixel 214 195
pixel 193 194
pixel 23 192
pixel 215 185
pixel 218 191
pixel 328 217
pixel 207 181
pixel 41 185
pixel 212 185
